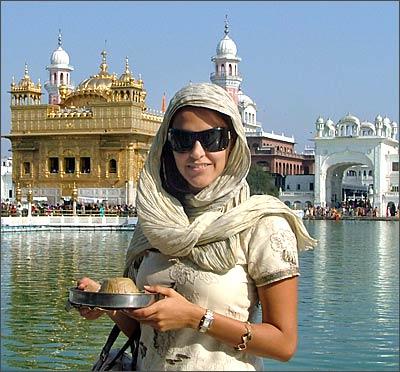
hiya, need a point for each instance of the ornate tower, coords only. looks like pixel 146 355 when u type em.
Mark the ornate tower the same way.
pixel 59 73
pixel 25 92
pixel 226 62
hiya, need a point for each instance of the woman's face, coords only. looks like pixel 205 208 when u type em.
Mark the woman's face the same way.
pixel 198 166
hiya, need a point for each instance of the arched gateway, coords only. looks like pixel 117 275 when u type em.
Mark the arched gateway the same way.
pixel 353 143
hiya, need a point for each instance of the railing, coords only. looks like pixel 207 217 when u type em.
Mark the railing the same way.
pixel 297 193
pixel 68 222
pixel 66 212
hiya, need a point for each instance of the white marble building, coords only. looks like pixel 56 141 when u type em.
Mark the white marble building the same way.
pixel 7 189
pixel 352 145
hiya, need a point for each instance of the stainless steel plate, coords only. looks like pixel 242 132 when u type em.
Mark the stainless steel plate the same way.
pixel 78 298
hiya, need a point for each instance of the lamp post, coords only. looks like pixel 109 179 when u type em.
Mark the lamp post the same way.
pixel 74 198
pixel 30 199
pixel 126 192
pixel 18 194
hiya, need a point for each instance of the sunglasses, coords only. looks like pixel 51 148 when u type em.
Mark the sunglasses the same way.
pixel 212 140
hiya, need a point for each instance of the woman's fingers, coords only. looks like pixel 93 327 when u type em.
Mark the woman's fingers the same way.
pixel 165 291
pixel 87 284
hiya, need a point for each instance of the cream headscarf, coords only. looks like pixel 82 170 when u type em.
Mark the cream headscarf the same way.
pixel 206 228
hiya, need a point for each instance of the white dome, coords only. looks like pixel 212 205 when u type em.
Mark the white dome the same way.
pixel 386 121
pixel 244 100
pixel 59 57
pixel 329 122
pixel 394 124
pixel 320 120
pixel 226 47
pixel 350 118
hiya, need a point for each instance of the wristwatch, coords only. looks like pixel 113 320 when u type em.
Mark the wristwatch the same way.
pixel 206 321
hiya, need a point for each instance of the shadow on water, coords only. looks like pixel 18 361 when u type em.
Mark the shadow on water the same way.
pixel 348 309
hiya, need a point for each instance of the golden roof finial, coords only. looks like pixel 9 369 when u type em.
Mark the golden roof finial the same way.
pixel 103 66
pixel 26 75
pixel 127 71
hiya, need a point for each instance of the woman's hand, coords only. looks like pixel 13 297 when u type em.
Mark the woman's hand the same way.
pixel 172 312
pixel 89 285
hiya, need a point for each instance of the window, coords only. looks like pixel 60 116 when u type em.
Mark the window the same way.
pixel 112 166
pixel 288 187
pixel 311 186
pixel 69 165
pixel 395 166
pixel 298 186
pixel 10 193
pixel 370 173
pixel 27 167
pixel 85 165
pixel 53 165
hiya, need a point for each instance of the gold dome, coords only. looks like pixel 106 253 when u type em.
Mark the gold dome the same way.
pixel 100 82
pixel 126 77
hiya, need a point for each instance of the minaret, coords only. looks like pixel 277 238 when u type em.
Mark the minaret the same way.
pixel 59 73
pixel 164 103
pixel 226 62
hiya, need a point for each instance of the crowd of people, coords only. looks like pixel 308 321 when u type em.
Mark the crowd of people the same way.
pixel 353 208
pixel 44 209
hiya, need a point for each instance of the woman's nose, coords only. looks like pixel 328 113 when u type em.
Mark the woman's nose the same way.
pixel 197 151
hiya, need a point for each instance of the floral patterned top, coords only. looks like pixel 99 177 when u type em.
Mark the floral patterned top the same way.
pixel 268 253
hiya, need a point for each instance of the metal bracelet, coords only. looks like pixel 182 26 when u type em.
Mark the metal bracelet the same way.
pixel 246 337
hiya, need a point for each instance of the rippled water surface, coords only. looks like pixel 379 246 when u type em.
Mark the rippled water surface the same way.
pixel 348 311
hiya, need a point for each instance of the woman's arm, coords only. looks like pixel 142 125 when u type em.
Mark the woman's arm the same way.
pixel 275 337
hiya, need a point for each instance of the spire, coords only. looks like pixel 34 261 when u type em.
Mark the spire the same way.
pixel 103 66
pixel 26 75
pixel 164 103
pixel 226 31
pixel 127 70
pixel 59 37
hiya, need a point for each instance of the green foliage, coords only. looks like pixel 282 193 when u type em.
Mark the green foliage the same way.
pixel 261 182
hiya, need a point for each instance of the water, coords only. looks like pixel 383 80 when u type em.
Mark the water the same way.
pixel 348 308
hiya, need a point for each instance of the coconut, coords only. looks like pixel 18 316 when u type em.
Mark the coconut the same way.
pixel 118 285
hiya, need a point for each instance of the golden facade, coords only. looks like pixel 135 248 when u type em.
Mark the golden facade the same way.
pixel 97 137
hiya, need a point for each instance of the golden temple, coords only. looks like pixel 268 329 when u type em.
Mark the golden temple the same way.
pixel 95 136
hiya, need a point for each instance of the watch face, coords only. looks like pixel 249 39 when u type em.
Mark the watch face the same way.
pixel 206 321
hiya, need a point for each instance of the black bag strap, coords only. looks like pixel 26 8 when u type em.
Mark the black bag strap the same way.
pixel 133 342
pixel 110 342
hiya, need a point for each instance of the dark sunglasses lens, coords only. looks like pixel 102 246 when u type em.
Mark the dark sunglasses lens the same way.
pixel 180 140
pixel 212 140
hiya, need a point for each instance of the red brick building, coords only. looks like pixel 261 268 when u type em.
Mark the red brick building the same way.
pixel 278 156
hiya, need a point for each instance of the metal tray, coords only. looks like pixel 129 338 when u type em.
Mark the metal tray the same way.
pixel 78 298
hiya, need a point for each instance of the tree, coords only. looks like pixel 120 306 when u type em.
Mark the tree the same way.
pixel 261 182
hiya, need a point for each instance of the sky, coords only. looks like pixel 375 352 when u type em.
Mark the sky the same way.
pixel 299 59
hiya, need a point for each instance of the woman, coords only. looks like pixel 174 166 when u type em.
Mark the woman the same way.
pixel 210 249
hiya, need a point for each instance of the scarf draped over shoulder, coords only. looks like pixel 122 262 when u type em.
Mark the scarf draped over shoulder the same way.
pixel 204 227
